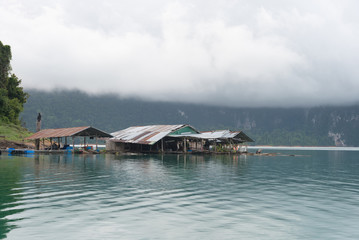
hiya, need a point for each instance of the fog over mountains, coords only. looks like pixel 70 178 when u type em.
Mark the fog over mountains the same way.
pixel 235 53
pixel 324 126
pixel 283 71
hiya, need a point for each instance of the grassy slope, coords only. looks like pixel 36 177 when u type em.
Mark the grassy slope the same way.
pixel 13 132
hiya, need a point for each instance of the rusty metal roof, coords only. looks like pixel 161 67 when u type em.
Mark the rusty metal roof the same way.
pixel 220 135
pixel 69 132
pixel 226 134
pixel 145 134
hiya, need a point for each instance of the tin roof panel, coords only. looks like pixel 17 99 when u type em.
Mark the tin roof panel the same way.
pixel 68 132
pixel 220 134
pixel 145 134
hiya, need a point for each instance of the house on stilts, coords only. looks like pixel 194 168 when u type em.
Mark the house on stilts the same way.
pixel 152 138
pixel 175 139
pixel 60 138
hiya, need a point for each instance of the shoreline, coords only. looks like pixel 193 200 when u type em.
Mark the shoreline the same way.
pixel 22 146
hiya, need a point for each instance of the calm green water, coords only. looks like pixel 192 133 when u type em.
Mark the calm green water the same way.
pixel 315 196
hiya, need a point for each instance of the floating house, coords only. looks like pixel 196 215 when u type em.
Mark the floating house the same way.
pixel 152 138
pixel 59 134
pixel 174 138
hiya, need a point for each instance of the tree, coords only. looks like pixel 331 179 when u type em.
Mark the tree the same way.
pixel 12 95
pixel 5 68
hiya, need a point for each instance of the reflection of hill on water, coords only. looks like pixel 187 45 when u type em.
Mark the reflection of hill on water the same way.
pixel 44 181
pixel 10 191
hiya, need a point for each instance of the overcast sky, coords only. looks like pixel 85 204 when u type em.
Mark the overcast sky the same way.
pixel 224 52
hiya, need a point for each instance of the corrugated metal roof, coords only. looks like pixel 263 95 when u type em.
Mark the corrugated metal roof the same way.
pixel 226 134
pixel 68 132
pixel 145 134
pixel 218 134
pixel 221 135
pixel 244 137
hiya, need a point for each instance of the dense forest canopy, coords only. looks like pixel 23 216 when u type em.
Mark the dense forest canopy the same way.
pixel 12 96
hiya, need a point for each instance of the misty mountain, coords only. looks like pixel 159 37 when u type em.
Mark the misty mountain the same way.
pixel 325 126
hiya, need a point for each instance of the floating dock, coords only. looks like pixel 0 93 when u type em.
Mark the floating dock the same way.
pixel 13 151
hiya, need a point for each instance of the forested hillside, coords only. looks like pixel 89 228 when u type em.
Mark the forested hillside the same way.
pixel 12 99
pixel 325 126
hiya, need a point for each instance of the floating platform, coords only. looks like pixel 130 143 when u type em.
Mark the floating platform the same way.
pixel 14 151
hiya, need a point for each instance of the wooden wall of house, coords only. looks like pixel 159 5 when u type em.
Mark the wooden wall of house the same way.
pixel 114 146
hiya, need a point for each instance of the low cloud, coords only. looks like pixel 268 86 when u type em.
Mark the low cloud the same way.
pixel 230 53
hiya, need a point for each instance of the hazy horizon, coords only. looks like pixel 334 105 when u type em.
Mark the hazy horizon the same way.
pixel 143 99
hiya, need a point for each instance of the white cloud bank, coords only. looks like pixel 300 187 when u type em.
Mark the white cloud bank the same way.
pixel 235 53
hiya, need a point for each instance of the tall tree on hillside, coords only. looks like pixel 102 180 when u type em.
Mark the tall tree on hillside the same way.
pixel 5 68
pixel 12 95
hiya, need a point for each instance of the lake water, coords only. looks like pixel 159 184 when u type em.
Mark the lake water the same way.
pixel 311 196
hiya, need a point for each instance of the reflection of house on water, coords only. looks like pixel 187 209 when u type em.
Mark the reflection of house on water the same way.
pixel 159 164
pixel 176 139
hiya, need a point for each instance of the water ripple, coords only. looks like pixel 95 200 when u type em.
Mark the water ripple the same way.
pixel 176 197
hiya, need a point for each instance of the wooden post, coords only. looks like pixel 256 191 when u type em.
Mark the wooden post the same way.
pixel 162 145
pixel 38 128
pixel 37 144
pixel 50 143
pixel 73 143
pixel 184 145
pixel 65 140
pixel 58 142
pixel 96 143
